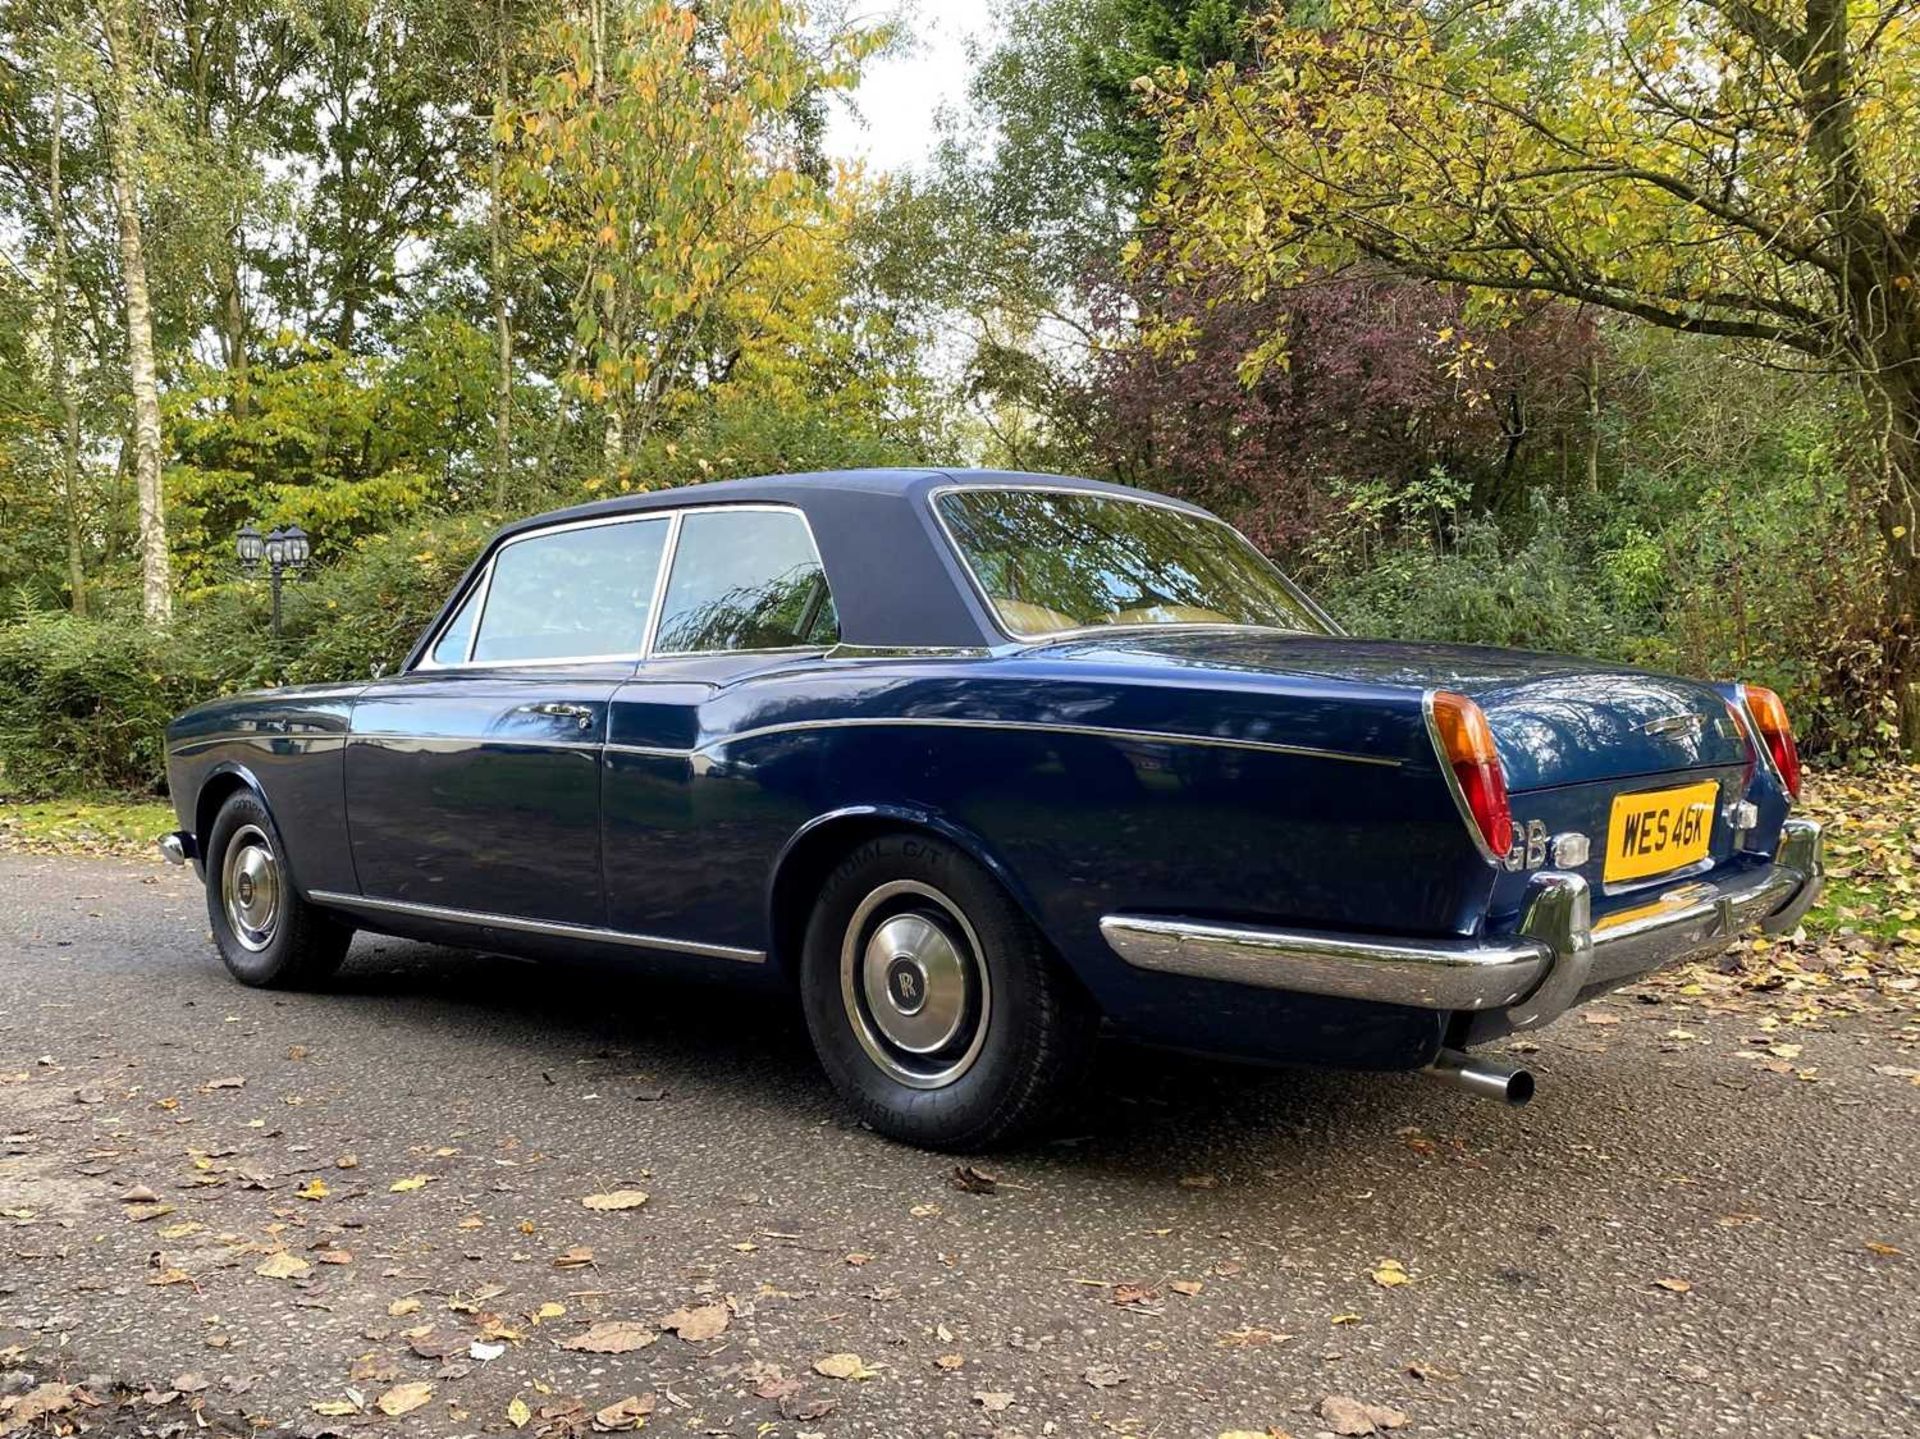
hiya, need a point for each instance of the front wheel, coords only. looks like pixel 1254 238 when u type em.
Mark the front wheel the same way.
pixel 268 936
pixel 937 1009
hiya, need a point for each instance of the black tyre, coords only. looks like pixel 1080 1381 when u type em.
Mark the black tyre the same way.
pixel 940 1013
pixel 267 934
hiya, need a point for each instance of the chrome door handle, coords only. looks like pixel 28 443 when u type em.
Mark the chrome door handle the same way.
pixel 560 710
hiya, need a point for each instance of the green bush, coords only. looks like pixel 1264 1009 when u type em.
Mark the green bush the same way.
pixel 84 705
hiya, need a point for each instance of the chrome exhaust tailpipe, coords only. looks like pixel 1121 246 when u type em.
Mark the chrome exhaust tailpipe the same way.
pixel 1508 1083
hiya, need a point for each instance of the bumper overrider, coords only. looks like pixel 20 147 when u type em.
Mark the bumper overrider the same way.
pixel 1556 957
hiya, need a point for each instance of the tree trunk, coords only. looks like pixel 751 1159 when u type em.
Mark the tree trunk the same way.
pixel 497 240
pixel 156 593
pixel 1893 399
pixel 62 380
pixel 1593 420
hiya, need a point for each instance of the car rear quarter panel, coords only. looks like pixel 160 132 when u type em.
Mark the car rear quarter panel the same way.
pixel 289 745
pixel 1063 781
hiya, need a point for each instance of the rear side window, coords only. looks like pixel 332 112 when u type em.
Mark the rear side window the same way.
pixel 572 594
pixel 746 580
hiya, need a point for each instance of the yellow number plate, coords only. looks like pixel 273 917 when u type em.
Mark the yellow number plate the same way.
pixel 1659 830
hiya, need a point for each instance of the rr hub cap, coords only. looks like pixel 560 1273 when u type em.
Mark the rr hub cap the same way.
pixel 250 887
pixel 913 984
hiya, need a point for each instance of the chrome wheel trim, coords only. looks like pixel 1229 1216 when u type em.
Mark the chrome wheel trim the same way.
pixel 914 985
pixel 250 887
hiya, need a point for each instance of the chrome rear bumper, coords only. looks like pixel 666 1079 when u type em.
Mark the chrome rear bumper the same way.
pixel 1557 954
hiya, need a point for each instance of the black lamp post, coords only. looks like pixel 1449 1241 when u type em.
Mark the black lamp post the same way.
pixel 285 551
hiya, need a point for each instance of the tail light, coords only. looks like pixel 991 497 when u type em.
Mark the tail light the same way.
pixel 1464 742
pixel 1770 718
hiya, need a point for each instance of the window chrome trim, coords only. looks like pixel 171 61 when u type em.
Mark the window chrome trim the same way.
pixel 1046 637
pixel 669 553
pixel 553 928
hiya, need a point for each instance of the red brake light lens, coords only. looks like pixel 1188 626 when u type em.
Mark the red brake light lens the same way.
pixel 1465 742
pixel 1770 718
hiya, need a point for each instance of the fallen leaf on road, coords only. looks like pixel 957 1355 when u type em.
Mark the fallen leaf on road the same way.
pixel 856 1259
pixel 141 1213
pixel 1103 1376
pixel 315 1188
pixel 992 1401
pixel 484 1351
pixel 924 1211
pixel 518 1414
pixel 1188 1287
pixel 949 1361
pixel 1198 1181
pixel 1249 1337
pixel 1677 1286
pixel 334 1408
pixel 573 1258
pixel 1888 1251
pixel 618 1199
pixel 629 1413
pixel 404 1398
pixel 408 1305
pixel 1351 1417
pixel 39 1402
pixel 1391 1273
pixel 843 1366
pixel 182 1229
pixel 281 1265
pixel 408 1185
pixel 969 1180
pixel 232 1081
pixel 138 1194
pixel 612 1336
pixel 694 1324
pixel 1125 1294
pixel 1591 1016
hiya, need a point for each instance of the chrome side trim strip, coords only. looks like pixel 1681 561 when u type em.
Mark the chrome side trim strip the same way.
pixel 1427 974
pixel 553 928
pixel 464 742
pixel 254 737
pixel 1135 736
pixel 651 751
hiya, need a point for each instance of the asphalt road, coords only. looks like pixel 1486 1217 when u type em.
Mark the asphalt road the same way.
pixel 1535 1241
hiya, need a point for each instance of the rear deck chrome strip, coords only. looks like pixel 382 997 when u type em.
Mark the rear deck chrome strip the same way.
pixel 553 928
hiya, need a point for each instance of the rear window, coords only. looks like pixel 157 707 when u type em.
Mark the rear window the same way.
pixel 1051 561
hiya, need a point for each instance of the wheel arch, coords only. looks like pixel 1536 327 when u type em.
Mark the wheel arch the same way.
pixel 812 851
pixel 226 779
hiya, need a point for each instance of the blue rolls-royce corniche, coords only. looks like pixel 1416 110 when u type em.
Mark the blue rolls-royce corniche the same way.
pixel 979 764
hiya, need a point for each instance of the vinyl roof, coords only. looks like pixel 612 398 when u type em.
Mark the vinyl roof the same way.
pixel 895 579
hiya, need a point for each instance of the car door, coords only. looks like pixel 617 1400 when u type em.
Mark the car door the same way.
pixel 473 781
pixel 688 849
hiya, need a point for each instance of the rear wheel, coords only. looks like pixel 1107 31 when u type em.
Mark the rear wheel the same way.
pixel 266 933
pixel 937 1009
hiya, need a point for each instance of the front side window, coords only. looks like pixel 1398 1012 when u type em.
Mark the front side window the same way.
pixel 745 580
pixel 572 593
pixel 451 647
pixel 1057 560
